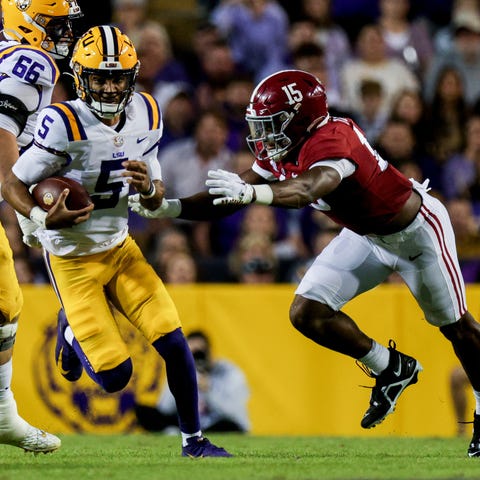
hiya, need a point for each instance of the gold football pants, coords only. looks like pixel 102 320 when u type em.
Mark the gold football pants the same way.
pixel 11 299
pixel 87 286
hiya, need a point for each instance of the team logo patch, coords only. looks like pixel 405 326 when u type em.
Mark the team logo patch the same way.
pixel 48 199
pixel 82 406
pixel 23 4
pixel 118 141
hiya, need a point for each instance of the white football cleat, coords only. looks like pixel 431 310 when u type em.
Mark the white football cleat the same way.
pixel 14 430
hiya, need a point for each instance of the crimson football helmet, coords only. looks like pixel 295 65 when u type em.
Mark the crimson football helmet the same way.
pixel 284 108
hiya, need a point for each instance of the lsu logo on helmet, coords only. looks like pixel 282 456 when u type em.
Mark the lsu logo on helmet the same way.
pixel 23 4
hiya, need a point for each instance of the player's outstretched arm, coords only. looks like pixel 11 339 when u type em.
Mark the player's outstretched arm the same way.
pixel 231 189
pixel 199 206
pixel 196 207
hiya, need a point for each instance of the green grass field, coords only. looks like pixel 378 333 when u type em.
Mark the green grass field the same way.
pixel 138 457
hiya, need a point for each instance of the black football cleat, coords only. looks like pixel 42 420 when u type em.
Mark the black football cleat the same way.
pixel 401 372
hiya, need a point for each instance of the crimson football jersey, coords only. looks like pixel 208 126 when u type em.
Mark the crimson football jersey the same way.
pixel 364 201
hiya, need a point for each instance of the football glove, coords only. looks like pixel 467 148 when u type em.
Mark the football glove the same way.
pixel 230 186
pixel 28 230
pixel 168 209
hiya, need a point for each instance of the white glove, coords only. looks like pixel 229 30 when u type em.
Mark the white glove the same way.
pixel 232 188
pixel 168 209
pixel 28 229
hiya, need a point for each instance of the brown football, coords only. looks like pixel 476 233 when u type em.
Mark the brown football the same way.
pixel 47 191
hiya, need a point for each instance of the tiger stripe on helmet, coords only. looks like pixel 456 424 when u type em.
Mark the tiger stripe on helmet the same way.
pixel 109 43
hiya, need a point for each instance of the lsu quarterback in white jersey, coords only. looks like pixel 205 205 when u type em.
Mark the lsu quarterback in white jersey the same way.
pixel 35 32
pixel 107 140
pixel 70 141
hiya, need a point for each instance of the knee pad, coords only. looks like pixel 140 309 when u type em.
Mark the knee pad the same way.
pixel 7 336
pixel 117 378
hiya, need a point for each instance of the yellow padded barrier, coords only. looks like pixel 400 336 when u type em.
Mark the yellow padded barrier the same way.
pixel 297 388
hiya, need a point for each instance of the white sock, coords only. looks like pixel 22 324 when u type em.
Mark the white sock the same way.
pixel 377 358
pixel 5 380
pixel 477 402
pixel 68 335
pixel 189 435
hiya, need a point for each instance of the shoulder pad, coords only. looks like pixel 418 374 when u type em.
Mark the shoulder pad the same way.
pixel 29 65
pixel 73 126
pixel 153 110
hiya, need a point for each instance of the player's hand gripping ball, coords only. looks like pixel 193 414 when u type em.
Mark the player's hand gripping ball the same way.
pixel 47 191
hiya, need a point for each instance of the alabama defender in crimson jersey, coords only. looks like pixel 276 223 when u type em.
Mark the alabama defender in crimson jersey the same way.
pixel 391 224
pixel 366 200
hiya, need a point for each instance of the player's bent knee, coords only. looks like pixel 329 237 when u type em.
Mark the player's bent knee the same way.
pixel 464 327
pixel 117 378
pixel 297 317
pixel 304 313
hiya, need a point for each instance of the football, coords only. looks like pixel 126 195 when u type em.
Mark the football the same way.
pixel 47 191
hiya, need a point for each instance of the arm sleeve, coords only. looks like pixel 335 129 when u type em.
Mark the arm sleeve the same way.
pixel 266 174
pixel 17 101
pixel 36 163
pixel 343 167
pixel 155 131
pixel 48 154
pixel 150 157
pixel 51 131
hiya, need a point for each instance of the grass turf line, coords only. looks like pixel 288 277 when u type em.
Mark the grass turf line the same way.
pixel 151 457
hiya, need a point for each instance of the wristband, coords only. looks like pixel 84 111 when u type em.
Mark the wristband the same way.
pixel 38 216
pixel 263 194
pixel 151 192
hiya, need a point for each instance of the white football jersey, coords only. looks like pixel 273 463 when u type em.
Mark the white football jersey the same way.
pixel 72 142
pixel 29 74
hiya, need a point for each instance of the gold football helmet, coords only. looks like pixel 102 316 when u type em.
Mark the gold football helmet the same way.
pixel 104 54
pixel 41 23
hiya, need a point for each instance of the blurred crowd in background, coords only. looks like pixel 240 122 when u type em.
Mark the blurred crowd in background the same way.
pixel 407 72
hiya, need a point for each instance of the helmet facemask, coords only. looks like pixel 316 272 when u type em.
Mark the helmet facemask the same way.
pixel 91 89
pixel 267 139
pixel 284 110
pixel 58 37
